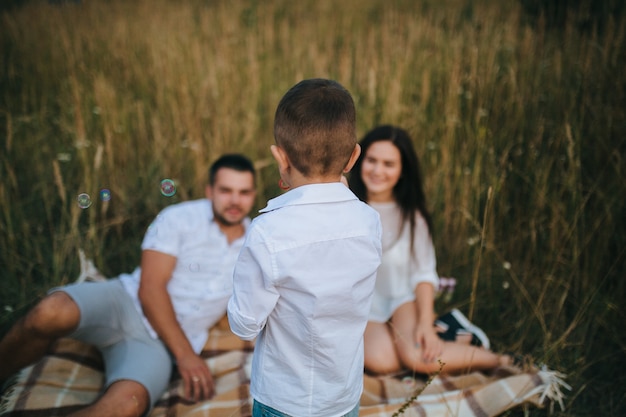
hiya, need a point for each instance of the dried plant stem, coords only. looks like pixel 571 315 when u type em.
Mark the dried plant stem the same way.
pixel 480 252
pixel 417 393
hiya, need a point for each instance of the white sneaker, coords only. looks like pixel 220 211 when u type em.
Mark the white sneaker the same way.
pixel 455 323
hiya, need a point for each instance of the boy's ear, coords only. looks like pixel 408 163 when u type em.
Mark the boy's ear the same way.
pixel 281 157
pixel 356 152
pixel 208 191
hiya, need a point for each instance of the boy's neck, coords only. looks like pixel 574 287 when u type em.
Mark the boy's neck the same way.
pixel 298 180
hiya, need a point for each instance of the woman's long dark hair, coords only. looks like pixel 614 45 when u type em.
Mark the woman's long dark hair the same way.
pixel 409 191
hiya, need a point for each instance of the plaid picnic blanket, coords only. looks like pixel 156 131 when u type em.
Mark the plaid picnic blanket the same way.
pixel 71 376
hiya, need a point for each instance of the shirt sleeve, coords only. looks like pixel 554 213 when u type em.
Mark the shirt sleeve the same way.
pixel 254 295
pixel 424 260
pixel 163 234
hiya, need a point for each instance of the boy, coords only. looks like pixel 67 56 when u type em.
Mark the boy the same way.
pixel 304 279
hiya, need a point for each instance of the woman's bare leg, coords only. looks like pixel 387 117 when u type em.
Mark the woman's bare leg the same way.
pixel 380 350
pixel 457 357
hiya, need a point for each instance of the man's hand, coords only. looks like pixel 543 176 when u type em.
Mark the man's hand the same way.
pixel 156 272
pixel 197 378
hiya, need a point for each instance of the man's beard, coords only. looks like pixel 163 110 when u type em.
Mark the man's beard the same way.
pixel 224 221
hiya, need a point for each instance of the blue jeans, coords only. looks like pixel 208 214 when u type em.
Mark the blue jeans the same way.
pixel 262 410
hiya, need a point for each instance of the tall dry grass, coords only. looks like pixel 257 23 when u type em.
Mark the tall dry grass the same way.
pixel 520 128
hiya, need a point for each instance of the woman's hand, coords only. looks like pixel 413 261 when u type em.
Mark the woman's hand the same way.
pixel 427 340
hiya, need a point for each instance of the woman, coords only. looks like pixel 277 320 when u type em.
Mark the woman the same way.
pixel 400 332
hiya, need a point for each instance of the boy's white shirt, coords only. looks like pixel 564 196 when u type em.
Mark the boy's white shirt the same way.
pixel 303 284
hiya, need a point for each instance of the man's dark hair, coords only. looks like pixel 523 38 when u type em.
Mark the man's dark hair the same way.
pixel 234 161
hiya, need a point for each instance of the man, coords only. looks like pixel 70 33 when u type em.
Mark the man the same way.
pixel 159 315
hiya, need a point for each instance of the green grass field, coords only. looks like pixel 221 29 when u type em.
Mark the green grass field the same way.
pixel 519 119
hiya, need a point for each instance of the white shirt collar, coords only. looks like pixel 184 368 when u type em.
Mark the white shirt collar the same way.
pixel 312 193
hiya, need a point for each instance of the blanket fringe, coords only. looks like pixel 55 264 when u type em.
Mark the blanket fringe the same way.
pixel 88 271
pixel 551 389
pixel 8 388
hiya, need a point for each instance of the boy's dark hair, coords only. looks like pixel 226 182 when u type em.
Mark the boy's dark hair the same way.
pixel 315 124
pixel 409 191
pixel 234 161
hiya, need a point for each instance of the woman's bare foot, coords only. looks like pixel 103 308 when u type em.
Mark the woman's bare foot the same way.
pixel 506 360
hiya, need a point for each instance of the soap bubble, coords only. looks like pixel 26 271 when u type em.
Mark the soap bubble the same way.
pixel 168 187
pixel 84 201
pixel 105 194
